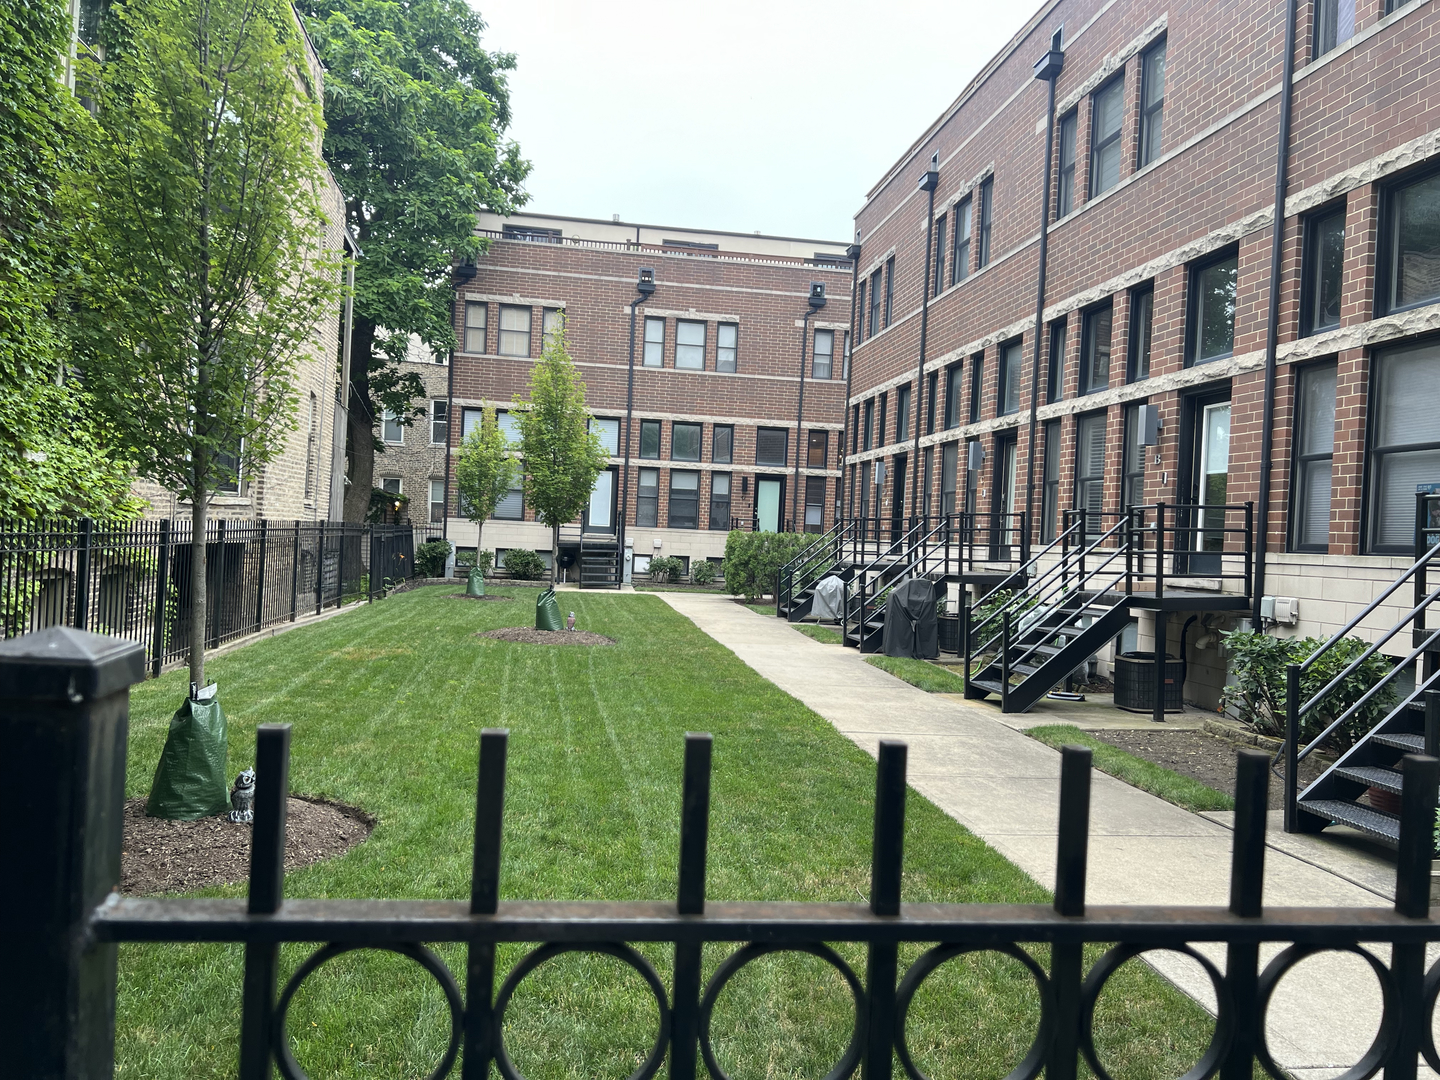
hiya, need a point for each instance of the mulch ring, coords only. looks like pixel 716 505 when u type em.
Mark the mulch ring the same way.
pixel 466 596
pixel 159 856
pixel 526 635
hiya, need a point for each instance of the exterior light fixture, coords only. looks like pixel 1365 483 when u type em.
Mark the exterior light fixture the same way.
pixel 817 295
pixel 931 177
pixel 976 456
pixel 1149 425
pixel 646 284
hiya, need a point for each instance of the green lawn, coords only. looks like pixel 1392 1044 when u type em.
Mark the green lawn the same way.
pixel 826 635
pixel 1146 775
pixel 921 673
pixel 387 703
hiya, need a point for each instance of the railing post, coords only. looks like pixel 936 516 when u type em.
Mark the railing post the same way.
pixel 1292 747
pixel 1162 642
pixel 1084 543
pixel 64 710
pixel 1419 788
pixel 1159 550
pixel 1247 878
pixel 965 634
pixel 1130 551
pixel 267 893
pixel 1004 661
pixel 162 589
pixel 1432 723
pixel 690 900
pixel 260 577
pixel 484 900
pixel 295 573
pixel 885 863
pixel 83 560
pixel 1250 548
pixel 1067 957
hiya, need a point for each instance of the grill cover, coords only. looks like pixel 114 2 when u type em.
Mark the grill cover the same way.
pixel 829 602
pixel 910 624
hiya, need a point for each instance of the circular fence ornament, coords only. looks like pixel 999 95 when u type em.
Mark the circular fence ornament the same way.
pixel 290 1068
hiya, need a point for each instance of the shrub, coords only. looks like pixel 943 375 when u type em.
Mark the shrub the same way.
pixel 1257 698
pixel 524 564
pixel 430 557
pixel 464 560
pixel 666 568
pixel 993 603
pixel 752 559
pixel 703 573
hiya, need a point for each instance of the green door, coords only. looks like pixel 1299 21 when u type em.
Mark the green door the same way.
pixel 767 504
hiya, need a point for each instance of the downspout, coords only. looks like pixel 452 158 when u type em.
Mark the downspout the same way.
pixel 625 474
pixel 800 421
pixel 1272 317
pixel 1048 68
pixel 464 273
pixel 853 251
pixel 928 183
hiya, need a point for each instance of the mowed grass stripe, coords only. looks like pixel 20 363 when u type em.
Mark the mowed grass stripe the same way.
pixel 387 704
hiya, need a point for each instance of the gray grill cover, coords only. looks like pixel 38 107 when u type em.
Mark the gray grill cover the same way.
pixel 910 628
pixel 829 602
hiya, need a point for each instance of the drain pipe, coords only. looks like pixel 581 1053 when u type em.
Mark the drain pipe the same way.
pixel 1272 317
pixel 644 289
pixel 928 183
pixel 817 301
pixel 853 252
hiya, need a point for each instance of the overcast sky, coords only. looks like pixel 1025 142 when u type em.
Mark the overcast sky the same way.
pixel 742 115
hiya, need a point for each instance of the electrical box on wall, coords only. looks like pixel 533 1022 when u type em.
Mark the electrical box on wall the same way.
pixel 1285 610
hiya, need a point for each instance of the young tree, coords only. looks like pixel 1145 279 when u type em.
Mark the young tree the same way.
pixel 415 111
pixel 562 455
pixel 484 471
pixel 208 260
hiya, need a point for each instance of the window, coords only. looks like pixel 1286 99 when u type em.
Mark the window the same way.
pixel 475 326
pixel 391 485
pixel 889 288
pixel 1314 454
pixel 312 439
pixel 1090 465
pixel 511 506
pixel 470 420
pixel 1050 484
pixel 552 320
pixel 949 466
pixel 509 425
pixel 531 233
pixel 772 446
pixel 927 464
pixel 867 440
pixel 1106 109
pixel 1065 189
pixel 939 280
pixel 685 441
pixel 722 447
pixel 1055 370
pixel 846 373
pixel 437 501
pixel 902 414
pixel 876 299
pixel 819 449
pixel 1012 362
pixel 1132 460
pixel 1324 271
pixel 727 336
pixel 514 330
pixel 649 438
pixel 1405 441
pixel 684 500
pixel 932 387
pixel 814 504
pixel 977 382
pixel 880 431
pixel 1212 309
pixel 720 501
pixel 1413 234
pixel 391 430
pixel 609 432
pixel 960 258
pixel 987 191
pixel 1334 24
pixel 1152 100
pixel 854 429
pixel 439 423
pixel 654 355
pixel 1142 320
pixel 952 396
pixel 860 311
pixel 690 345
pixel 647 503
pixel 823 362
pixel 1095 350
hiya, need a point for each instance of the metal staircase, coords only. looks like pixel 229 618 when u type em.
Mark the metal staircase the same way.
pixel 923 550
pixel 599 561
pixel 1411 725
pixel 796 579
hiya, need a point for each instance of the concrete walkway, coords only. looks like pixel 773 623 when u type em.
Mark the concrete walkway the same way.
pixel 1004 787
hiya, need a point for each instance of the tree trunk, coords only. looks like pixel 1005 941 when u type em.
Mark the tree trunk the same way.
pixel 360 424
pixel 198 506
pixel 554 555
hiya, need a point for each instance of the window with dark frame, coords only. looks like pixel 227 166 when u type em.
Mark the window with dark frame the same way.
pixel 1314 457
pixel 1050 483
pixel 439 422
pixel 854 429
pixel 868 428
pixel 720 501
pixel 1324 270
pixel 977 383
pixel 1090 465
pixel 514 330
pixel 1107 108
pixel 822 363
pixel 551 319
pixel 654 354
pixel 722 445
pixel 1404 452
pixel 727 341
pixel 649 438
pixel 1065 187
pixel 1212 309
pixel 932 385
pixel 1132 460
pixel 902 414
pixel 437 501
pixel 685 441
pixel 1411 262
pixel 938 282
pixel 960 257
pixel 647 502
pixel 927 482
pixel 1142 322
pixel 987 199
pixel 877 299
pixel 772 446
pixel 1334 24
pixel 880 432
pixel 511 506
pixel 949 469
pixel 1095 338
pixel 608 429
pixel 689 345
pixel 952 396
pixel 845 374
pixel 684 509
pixel 818 449
pixel 1055 369
pixel 889 289
pixel 814 504
pixel 860 311
pixel 1012 365
pixel 1152 101
pixel 475 318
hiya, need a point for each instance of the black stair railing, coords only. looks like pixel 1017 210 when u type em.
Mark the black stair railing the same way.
pixel 891 560
pixel 809 565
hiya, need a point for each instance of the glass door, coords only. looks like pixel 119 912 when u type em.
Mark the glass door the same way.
pixel 600 514
pixel 897 501
pixel 1002 531
pixel 769 494
pixel 1212 478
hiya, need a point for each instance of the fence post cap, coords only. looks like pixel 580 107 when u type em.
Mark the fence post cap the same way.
pixel 61 663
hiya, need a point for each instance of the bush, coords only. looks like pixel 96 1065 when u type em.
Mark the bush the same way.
pixel 993 603
pixel 703 573
pixel 666 569
pixel 524 564
pixel 1257 698
pixel 752 559
pixel 430 558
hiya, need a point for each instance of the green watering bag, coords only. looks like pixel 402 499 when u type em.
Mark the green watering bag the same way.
pixel 475 586
pixel 547 611
pixel 190 780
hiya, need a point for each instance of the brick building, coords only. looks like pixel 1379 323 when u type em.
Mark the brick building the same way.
pixel 410 458
pixel 718 432
pixel 1158 217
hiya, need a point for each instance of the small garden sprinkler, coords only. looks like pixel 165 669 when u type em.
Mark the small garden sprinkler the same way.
pixel 570 621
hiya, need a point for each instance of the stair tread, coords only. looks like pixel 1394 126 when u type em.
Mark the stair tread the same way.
pixel 1374 775
pixel 1365 818
pixel 992 685
pixel 1413 743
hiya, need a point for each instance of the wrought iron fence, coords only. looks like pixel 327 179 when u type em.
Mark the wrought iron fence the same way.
pixel 132 579
pixel 64 698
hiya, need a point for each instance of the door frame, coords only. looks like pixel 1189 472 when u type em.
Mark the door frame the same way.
pixel 1187 476
pixel 762 478
pixel 614 471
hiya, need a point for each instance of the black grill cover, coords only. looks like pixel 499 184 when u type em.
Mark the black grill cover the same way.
pixel 910 626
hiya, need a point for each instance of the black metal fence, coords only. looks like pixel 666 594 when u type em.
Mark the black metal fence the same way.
pixel 132 579
pixel 63 708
